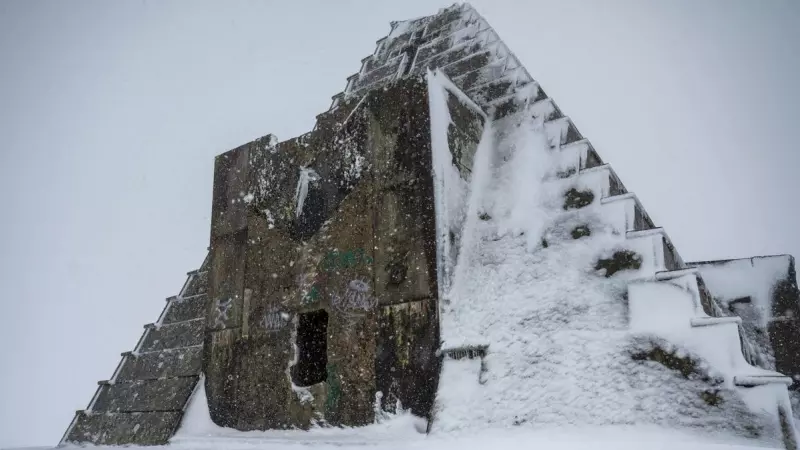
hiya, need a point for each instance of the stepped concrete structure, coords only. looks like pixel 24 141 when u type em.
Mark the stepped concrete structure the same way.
pixel 327 293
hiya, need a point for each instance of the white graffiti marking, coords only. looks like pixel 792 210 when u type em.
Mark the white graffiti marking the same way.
pixel 222 309
pixel 274 320
pixel 356 300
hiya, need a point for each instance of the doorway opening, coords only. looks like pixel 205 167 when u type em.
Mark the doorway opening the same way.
pixel 312 348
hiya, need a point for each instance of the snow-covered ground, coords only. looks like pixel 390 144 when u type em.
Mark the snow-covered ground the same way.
pixel 400 433
pixel 404 431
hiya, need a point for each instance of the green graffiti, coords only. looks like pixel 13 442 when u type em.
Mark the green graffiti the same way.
pixel 312 296
pixel 334 389
pixel 335 259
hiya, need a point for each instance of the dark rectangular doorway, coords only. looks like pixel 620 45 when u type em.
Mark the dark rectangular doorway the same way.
pixel 312 348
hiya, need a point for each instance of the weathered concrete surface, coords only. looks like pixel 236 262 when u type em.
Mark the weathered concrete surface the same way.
pixel 363 238
pixel 150 428
pixel 168 394
pixel 405 367
pixel 143 402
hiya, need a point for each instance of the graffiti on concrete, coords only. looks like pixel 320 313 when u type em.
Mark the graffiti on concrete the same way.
pixel 222 308
pixel 311 296
pixel 274 320
pixel 355 301
pixel 310 290
pixel 334 388
pixel 335 259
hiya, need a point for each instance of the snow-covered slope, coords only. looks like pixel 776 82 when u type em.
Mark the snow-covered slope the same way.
pixel 535 328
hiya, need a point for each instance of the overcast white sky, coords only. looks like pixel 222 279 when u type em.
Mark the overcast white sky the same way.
pixel 111 114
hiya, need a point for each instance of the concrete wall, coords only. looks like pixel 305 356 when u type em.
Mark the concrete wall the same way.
pixel 362 250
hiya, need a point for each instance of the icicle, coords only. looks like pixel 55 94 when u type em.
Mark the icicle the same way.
pixel 306 176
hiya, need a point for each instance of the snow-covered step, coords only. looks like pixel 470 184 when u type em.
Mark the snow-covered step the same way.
pixel 632 214
pixel 669 310
pixel 619 198
pixel 529 93
pixel 602 180
pixel 672 274
pixel 711 321
pixel 336 100
pixel 707 312
pixel 535 105
pixel 503 87
pixel 544 109
pixel 657 243
pixel 567 131
pixel 760 380
pixel 576 157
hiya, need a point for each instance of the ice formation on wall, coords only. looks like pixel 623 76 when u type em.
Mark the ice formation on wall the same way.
pixel 307 175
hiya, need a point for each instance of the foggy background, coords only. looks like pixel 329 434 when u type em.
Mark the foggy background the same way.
pixel 111 114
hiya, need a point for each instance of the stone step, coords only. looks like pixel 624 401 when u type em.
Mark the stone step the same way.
pixel 672 260
pixel 587 155
pixel 196 284
pixel 485 93
pixel 143 428
pixel 609 184
pixel 636 218
pixel 711 321
pixel 562 132
pixel 619 198
pixel 160 364
pixel 657 249
pixel 112 382
pixel 186 308
pixel 635 234
pixel 165 394
pixel 470 352
pixel 760 380
pixel 530 93
pixel 665 275
pixel 174 335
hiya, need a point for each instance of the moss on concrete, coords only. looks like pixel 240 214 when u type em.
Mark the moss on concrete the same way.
pixel 712 397
pixel 575 199
pixel 621 260
pixel 669 359
pixel 581 231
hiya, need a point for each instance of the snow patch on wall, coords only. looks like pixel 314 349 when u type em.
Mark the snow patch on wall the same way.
pixel 450 189
pixel 197 419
